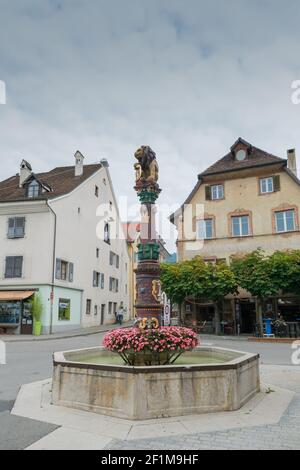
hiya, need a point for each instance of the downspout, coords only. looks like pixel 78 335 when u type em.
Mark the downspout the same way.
pixel 53 267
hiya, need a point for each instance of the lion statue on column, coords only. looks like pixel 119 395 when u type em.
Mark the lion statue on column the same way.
pixel 147 166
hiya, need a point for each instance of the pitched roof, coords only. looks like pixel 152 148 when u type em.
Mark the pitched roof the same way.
pixel 255 157
pixel 61 180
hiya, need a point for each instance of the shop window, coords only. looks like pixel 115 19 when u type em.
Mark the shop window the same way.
pixel 64 309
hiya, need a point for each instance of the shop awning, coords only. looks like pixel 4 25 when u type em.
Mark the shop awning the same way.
pixel 15 294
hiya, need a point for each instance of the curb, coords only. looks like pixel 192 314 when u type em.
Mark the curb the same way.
pixel 54 338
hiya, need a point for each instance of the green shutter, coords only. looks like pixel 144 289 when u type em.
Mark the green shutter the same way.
pixel 276 183
pixel 208 193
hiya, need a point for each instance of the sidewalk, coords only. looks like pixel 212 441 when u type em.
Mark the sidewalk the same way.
pixel 66 334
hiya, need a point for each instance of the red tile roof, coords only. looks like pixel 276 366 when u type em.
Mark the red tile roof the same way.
pixel 255 157
pixel 61 180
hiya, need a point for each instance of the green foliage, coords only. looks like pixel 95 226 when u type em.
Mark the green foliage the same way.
pixel 36 307
pixel 196 278
pixel 264 276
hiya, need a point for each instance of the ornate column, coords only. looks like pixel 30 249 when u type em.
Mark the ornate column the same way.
pixel 148 304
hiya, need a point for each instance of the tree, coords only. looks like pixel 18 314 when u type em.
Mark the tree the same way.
pixel 195 278
pixel 264 276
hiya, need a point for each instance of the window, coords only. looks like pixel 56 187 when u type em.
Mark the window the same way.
pixel 240 226
pixel 266 185
pixel 106 233
pixel 285 221
pixel 115 308
pixel 88 306
pixel 114 259
pixel 16 227
pixel 205 229
pixel 96 310
pixel 64 270
pixel 97 253
pixel 13 267
pixel 110 308
pixel 64 309
pixel 111 258
pixel 33 189
pixel 96 279
pixel 240 155
pixel 113 284
pixel 102 281
pixel 217 191
pixel 96 191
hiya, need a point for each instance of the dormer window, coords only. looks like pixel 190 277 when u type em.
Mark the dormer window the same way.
pixel 241 155
pixel 33 189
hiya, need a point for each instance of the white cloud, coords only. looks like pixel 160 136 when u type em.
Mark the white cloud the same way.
pixel 187 78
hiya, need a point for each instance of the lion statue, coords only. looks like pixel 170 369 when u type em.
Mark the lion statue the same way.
pixel 147 167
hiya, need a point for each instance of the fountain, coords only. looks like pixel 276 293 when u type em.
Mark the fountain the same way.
pixel 151 371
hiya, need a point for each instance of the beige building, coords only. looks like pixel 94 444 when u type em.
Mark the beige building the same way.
pixel 246 200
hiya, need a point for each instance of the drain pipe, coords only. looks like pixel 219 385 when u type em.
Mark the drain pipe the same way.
pixel 53 267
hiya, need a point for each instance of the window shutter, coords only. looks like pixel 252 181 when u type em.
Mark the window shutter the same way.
pixel 94 279
pixel 58 269
pixel 20 227
pixel 102 281
pixel 71 272
pixel 9 267
pixel 117 285
pixel 208 193
pixel 276 182
pixel 118 261
pixel 11 228
pixel 18 266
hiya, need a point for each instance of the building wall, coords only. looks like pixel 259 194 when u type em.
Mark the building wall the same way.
pixel 36 247
pixel 242 195
pixel 77 241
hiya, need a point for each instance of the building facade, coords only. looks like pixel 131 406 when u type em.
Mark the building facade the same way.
pixel 248 199
pixel 61 238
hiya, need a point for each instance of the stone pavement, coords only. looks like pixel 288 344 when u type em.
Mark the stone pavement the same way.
pixel 269 421
pixel 284 435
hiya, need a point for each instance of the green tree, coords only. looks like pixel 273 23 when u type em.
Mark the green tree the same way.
pixel 195 278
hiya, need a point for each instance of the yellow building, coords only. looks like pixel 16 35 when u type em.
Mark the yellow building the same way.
pixel 248 199
pixel 132 232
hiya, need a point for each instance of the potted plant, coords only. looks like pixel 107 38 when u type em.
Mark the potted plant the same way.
pixel 37 309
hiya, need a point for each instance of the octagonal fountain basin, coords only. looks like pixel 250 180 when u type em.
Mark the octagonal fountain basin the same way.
pixel 205 380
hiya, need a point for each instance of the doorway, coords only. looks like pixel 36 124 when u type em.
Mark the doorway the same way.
pixel 102 314
pixel 26 319
pixel 247 316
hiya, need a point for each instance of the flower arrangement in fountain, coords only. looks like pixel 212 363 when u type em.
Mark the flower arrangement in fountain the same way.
pixel 152 346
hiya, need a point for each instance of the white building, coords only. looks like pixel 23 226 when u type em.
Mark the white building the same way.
pixel 60 236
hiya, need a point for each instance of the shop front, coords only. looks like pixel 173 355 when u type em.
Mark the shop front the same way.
pixel 15 312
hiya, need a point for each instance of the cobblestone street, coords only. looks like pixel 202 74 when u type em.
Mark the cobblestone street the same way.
pixel 284 435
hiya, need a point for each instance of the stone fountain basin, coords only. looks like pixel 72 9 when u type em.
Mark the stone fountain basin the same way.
pixel 222 380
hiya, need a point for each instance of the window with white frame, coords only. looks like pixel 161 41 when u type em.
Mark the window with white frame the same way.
pixel 240 226
pixel 267 185
pixel 217 191
pixel 16 227
pixel 13 267
pixel 285 221
pixel 204 229
pixel 33 189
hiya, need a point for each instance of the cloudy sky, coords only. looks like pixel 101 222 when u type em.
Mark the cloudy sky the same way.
pixel 185 76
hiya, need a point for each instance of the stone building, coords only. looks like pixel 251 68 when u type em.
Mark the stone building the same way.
pixel 248 199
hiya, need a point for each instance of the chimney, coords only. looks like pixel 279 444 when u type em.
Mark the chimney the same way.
pixel 78 163
pixel 104 163
pixel 291 161
pixel 25 172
